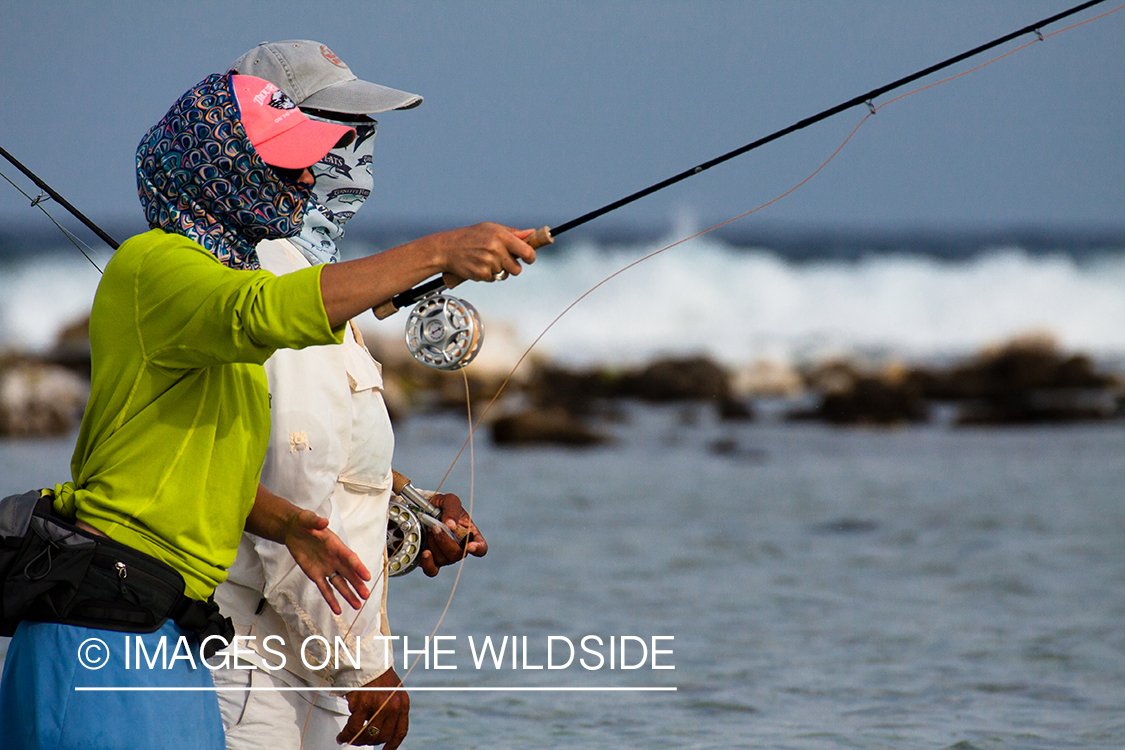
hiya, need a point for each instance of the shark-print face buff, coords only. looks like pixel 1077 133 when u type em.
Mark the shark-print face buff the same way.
pixel 343 183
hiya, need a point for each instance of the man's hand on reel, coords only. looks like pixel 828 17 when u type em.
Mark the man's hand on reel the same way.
pixel 441 550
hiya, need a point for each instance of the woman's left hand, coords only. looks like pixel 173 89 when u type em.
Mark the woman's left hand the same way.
pixel 326 560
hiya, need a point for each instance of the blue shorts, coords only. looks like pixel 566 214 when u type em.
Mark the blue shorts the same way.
pixel 41 708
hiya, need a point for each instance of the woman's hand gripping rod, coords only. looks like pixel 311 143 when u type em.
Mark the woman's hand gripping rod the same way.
pixel 536 239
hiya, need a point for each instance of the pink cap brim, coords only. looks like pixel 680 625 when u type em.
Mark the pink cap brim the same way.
pixel 302 145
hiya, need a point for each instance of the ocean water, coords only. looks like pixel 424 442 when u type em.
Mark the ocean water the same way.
pixel 823 588
pixel 920 300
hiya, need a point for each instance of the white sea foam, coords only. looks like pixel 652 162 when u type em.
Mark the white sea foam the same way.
pixel 743 306
pixel 40 296
pixel 736 304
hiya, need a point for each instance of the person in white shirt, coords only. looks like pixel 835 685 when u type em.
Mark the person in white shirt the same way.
pixel 330 451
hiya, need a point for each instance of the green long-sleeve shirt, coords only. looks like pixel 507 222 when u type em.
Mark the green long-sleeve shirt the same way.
pixel 172 442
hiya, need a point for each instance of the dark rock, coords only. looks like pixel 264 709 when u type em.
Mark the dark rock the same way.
pixel 1020 367
pixel 847 525
pixel 691 379
pixel 1027 381
pixel 688 379
pixel 586 392
pixel 553 426
pixel 38 398
pixel 730 447
pixel 1045 406
pixel 72 348
pixel 1033 383
pixel 1078 371
pixel 576 391
pixel 870 401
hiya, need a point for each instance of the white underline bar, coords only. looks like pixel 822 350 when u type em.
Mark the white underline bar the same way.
pixel 503 689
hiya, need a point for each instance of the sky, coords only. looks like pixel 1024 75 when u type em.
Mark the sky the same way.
pixel 538 112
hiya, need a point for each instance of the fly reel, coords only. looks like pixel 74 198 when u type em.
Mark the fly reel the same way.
pixel 405 539
pixel 444 332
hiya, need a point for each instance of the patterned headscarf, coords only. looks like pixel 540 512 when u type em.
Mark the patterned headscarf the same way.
pixel 343 183
pixel 199 176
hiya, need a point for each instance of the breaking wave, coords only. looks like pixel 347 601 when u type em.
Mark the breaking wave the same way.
pixel 736 304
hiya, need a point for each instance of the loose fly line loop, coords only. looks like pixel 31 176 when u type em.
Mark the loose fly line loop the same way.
pixel 865 99
pixel 873 109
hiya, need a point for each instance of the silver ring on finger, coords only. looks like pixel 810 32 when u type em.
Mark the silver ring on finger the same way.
pixel 499 275
pixel 334 574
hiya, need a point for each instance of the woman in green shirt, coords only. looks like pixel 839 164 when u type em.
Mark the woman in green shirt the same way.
pixel 172 442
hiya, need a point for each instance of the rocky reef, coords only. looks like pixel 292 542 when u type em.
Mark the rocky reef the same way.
pixel 39 397
pixel 1026 381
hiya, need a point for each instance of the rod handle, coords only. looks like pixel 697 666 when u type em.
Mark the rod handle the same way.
pixel 385 310
pixel 540 237
pixel 402 487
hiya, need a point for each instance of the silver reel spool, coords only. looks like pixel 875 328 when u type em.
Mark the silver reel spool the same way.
pixel 405 540
pixel 444 332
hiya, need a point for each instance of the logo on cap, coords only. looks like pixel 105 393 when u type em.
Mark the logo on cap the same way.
pixel 278 100
pixel 330 56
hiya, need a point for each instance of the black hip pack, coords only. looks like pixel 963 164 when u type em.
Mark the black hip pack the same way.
pixel 53 571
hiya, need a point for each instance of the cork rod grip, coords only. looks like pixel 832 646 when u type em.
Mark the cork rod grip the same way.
pixel 540 237
pixel 401 486
pixel 398 481
pixel 385 310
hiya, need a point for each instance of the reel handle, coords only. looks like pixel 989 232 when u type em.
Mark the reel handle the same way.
pixel 403 488
pixel 537 239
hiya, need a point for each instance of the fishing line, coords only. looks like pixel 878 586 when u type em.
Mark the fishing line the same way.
pixel 411 296
pixel 631 265
pixel 58 199
pixel 37 202
pixel 460 563
pixel 872 110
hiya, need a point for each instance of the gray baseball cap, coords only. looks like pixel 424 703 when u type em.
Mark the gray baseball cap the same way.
pixel 314 77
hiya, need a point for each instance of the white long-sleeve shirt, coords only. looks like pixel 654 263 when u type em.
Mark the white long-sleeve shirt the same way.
pixel 330 451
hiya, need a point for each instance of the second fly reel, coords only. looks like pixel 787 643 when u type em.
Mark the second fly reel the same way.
pixel 444 332
pixel 405 539
pixel 408 517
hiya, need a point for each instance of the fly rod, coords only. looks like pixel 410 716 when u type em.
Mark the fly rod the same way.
pixel 59 199
pixel 546 235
